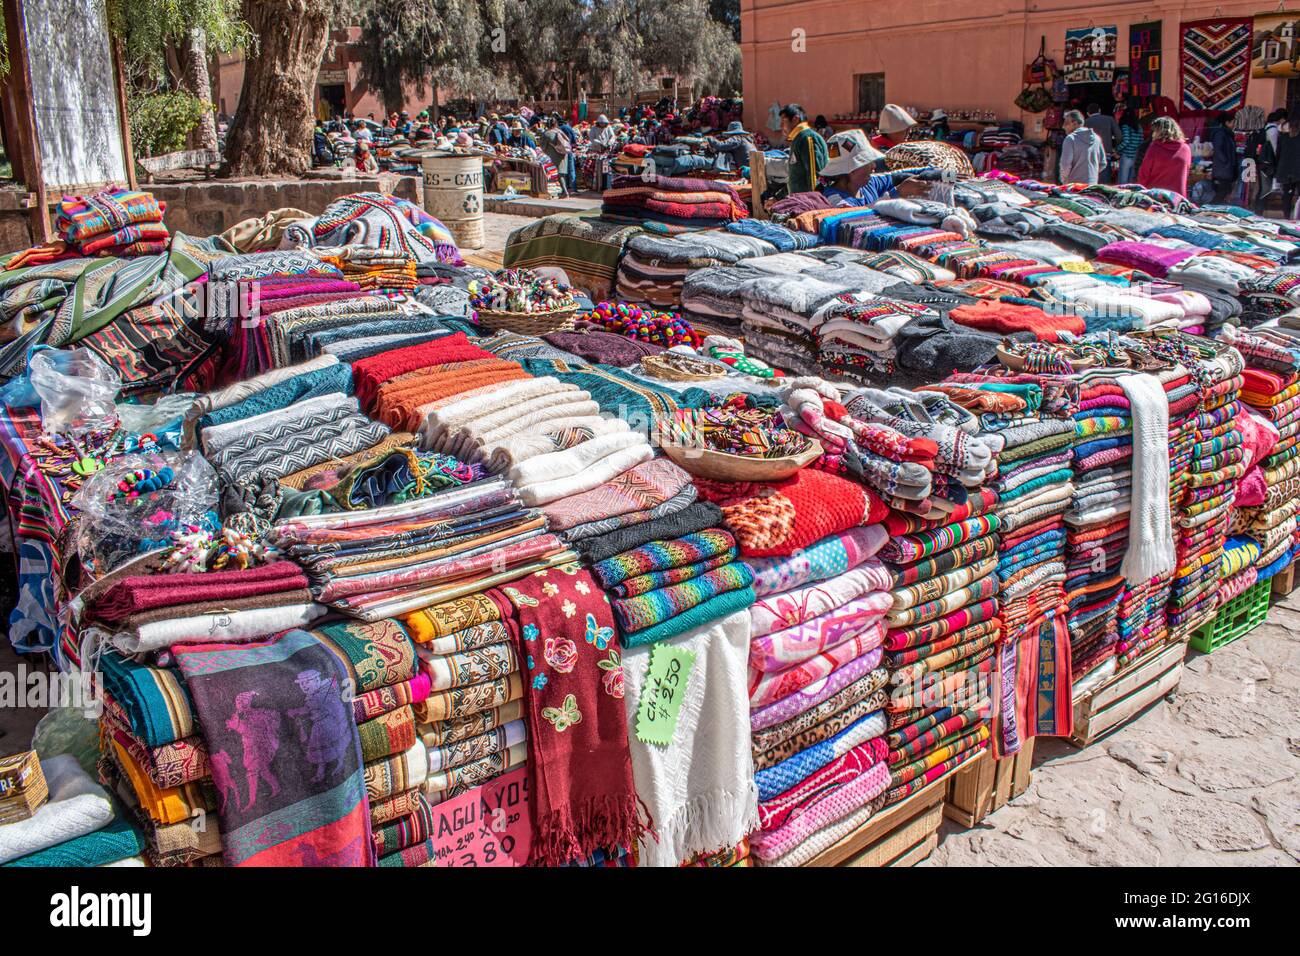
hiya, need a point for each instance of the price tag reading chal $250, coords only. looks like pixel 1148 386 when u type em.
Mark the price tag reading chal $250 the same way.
pixel 662 695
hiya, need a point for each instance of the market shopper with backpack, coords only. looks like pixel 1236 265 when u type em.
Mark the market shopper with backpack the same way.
pixel 1262 147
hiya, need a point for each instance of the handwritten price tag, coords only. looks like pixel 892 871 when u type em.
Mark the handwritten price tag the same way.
pixel 662 695
pixel 488 826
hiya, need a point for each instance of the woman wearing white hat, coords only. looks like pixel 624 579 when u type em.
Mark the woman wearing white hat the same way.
pixel 894 125
pixel 850 169
pixel 850 162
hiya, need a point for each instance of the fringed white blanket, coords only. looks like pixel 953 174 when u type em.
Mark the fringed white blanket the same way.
pixel 77 806
pixel 1150 533
pixel 700 789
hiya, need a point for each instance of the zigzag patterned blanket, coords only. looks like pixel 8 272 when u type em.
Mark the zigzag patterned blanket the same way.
pixel 1214 63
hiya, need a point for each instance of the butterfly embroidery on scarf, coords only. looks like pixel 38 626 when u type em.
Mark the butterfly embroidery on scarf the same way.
pixel 600 636
pixel 565 716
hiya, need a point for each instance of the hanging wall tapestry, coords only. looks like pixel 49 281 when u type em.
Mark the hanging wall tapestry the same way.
pixel 1090 54
pixel 1214 63
pixel 1275 52
pixel 1144 59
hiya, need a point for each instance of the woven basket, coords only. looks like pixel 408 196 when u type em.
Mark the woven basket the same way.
pixel 724 466
pixel 528 323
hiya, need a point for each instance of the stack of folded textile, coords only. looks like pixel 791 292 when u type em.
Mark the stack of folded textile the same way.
pixel 962 460
pixel 653 268
pixel 403 386
pixel 389 681
pixel 1266 502
pixel 856 335
pixel 659 585
pixel 482 423
pixel 147 613
pixel 898 467
pixel 77 825
pixel 376 271
pixel 1149 556
pixel 784 310
pixel 680 202
pixel 114 222
pixel 1152 602
pixel 588 249
pixel 159 753
pixel 1215 467
pixel 943 629
pixel 471 724
pixel 1033 639
pixel 394 558
pixel 299 327
pixel 817 693
pixel 1034 489
pixel 283 441
pixel 287 395
pixel 1097 524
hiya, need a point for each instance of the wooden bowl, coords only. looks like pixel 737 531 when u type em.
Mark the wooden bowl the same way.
pixel 724 466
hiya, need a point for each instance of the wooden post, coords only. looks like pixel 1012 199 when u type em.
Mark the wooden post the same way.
pixel 123 119
pixel 757 182
pixel 28 145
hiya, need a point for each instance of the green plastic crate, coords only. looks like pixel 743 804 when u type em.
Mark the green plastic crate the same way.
pixel 1239 616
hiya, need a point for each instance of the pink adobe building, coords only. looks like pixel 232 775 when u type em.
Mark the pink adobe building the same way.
pixel 949 54
pixel 339 86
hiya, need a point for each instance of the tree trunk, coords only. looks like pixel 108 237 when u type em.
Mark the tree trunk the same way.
pixel 197 83
pixel 272 130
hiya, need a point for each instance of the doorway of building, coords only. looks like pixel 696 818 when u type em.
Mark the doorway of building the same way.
pixel 332 98
pixel 1083 95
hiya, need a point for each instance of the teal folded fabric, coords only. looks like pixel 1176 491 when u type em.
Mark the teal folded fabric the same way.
pixel 155 699
pixel 321 381
pixel 1051 478
pixel 701 614
pixel 117 841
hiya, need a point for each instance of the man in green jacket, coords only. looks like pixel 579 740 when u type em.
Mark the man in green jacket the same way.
pixel 807 149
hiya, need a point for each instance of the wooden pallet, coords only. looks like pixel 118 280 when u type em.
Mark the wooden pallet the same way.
pixel 901 835
pixel 484 260
pixel 976 791
pixel 1118 700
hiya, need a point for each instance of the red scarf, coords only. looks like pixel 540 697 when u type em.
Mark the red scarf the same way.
pixel 580 768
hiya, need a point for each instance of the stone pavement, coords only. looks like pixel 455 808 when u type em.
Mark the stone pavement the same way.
pixel 1208 778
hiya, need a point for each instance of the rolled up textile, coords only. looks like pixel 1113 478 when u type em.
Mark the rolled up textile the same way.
pixel 77 806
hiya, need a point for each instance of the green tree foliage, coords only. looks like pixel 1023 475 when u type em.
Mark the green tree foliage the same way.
pixel 153 31
pixel 415 43
pixel 487 48
pixel 160 122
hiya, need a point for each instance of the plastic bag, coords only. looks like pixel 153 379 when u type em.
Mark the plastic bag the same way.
pixel 165 419
pixel 141 503
pixel 77 390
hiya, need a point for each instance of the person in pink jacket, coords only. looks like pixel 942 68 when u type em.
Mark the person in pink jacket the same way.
pixel 1168 158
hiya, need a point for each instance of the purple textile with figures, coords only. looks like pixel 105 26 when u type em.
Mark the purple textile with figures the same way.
pixel 285 752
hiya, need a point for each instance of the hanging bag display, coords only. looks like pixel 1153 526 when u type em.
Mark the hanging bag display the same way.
pixel 1041 70
pixel 1035 98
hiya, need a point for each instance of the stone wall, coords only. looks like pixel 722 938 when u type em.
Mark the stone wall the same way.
pixel 212 206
